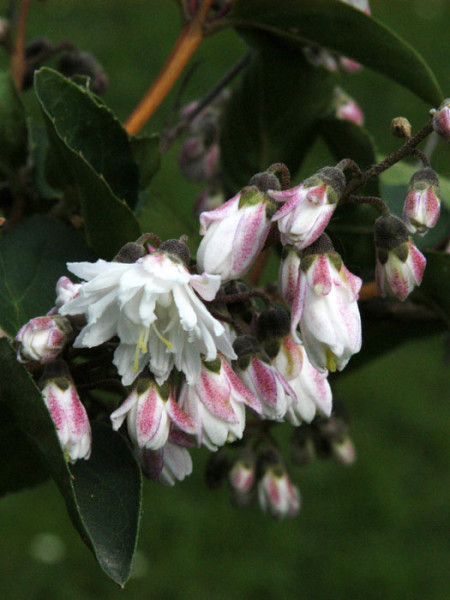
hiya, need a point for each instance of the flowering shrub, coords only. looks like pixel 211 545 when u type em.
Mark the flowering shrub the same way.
pixel 162 346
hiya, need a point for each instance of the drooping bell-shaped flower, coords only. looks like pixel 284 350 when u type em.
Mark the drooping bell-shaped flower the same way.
pixel 43 338
pixel 150 411
pixel 216 404
pixel 276 493
pixel 235 233
pixel 311 387
pixel 326 308
pixel 67 411
pixel 169 464
pixel 422 204
pixel 400 265
pixel 308 208
pixel 153 307
pixel 263 379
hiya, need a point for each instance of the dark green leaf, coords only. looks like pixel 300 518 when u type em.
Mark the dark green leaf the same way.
pixel 147 156
pixel 348 140
pixel 24 467
pixel 32 258
pixel 39 148
pixel 91 130
pixel 102 494
pixel 13 127
pixel 90 160
pixel 108 493
pixel 272 114
pixel 340 28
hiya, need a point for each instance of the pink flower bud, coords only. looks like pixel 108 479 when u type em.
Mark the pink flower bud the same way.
pixel 259 376
pixel 66 290
pixel 326 308
pixel 69 416
pixel 400 265
pixel 309 207
pixel 346 108
pixel 423 204
pixel 234 234
pixel 216 404
pixel 276 493
pixel 42 338
pixel 242 475
pixel 150 410
pixel 441 119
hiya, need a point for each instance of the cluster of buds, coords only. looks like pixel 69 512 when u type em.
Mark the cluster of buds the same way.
pixel 199 156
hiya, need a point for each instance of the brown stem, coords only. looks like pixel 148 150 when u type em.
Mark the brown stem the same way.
pixel 374 201
pixel 18 62
pixel 184 48
pixel 408 149
pixel 282 170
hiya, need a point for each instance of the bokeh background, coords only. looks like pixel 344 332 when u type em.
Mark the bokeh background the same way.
pixel 377 530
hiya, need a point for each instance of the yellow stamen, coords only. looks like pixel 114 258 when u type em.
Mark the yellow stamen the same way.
pixel 331 361
pixel 162 338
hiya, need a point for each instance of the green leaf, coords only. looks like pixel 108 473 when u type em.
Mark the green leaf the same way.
pixel 147 156
pixel 338 27
pixel 348 140
pixel 32 258
pixel 96 158
pixel 272 114
pixel 13 127
pixel 102 494
pixel 91 130
pixel 24 467
pixel 39 148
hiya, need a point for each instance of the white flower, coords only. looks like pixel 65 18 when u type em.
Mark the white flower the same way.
pixel 309 207
pixel 149 411
pixel 326 308
pixel 151 305
pixel 216 404
pixel 276 493
pixel 234 234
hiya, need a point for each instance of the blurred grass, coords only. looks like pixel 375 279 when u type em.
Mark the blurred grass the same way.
pixel 378 530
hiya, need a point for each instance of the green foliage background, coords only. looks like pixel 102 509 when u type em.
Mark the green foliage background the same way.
pixel 377 530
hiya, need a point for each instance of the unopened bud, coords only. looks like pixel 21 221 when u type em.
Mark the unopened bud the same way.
pixel 77 62
pixel 130 253
pixel 422 204
pixel 441 119
pixel 177 248
pixel 401 127
pixel 43 338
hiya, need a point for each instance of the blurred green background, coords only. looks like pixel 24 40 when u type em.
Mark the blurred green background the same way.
pixel 378 530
